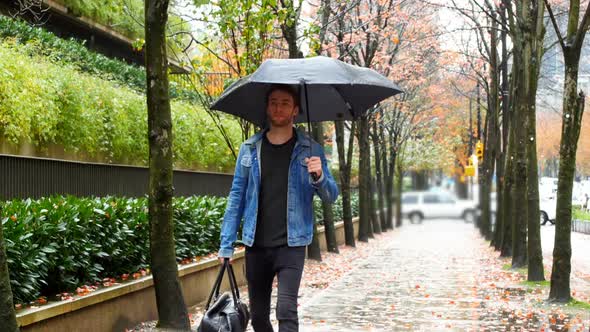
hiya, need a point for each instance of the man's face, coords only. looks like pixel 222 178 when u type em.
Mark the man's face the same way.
pixel 281 109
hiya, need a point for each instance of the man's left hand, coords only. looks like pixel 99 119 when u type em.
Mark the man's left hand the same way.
pixel 314 165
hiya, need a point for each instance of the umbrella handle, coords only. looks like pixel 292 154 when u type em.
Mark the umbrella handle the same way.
pixel 314 175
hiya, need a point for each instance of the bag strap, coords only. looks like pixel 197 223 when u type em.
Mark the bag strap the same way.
pixel 216 285
pixel 233 283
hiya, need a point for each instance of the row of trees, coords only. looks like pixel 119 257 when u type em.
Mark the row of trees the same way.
pixel 514 32
pixel 395 37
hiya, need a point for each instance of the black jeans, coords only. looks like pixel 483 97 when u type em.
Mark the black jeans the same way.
pixel 262 264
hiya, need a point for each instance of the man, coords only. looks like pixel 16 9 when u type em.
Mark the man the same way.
pixel 272 191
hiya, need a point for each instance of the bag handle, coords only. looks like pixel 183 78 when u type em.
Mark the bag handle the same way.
pixel 216 285
pixel 233 283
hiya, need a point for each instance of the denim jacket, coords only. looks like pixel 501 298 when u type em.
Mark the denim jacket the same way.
pixel 242 202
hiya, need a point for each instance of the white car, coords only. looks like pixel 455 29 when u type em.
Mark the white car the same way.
pixel 547 207
pixel 548 213
pixel 418 205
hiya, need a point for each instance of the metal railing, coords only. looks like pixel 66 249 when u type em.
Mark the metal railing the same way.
pixel 23 177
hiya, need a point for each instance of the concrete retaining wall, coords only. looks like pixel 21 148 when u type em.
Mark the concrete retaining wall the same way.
pixel 119 307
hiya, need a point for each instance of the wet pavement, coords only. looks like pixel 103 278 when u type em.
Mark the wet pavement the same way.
pixel 436 276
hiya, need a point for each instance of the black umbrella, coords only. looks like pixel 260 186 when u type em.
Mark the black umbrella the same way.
pixel 330 90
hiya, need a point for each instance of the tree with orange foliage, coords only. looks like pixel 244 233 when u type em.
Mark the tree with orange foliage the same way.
pixel 397 39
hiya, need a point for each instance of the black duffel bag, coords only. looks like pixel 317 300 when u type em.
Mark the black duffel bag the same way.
pixel 227 313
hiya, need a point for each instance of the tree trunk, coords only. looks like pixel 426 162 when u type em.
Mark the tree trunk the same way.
pixel 398 196
pixel 492 131
pixel 507 199
pixel 502 141
pixel 420 180
pixel 344 167
pixel 313 249
pixel 499 216
pixel 7 314
pixel 461 188
pixel 376 225
pixel 378 140
pixel 389 175
pixel 534 52
pixel 484 192
pixel 573 110
pixel 329 230
pixel 172 311
pixel 364 181
pixel 519 234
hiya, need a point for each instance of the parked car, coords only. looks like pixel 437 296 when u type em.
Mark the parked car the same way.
pixel 547 207
pixel 419 205
pixel 548 213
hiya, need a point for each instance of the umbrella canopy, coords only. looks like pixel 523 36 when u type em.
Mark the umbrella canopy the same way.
pixel 329 88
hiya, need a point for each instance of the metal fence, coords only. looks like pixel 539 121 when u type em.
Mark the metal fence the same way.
pixel 581 226
pixel 22 177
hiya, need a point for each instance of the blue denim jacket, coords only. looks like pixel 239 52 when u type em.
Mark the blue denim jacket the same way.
pixel 243 198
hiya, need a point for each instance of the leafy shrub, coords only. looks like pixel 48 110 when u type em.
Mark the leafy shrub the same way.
pixel 126 17
pixel 49 104
pixel 58 243
pixel 37 41
pixel 336 208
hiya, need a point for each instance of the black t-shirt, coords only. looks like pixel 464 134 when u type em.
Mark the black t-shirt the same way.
pixel 271 226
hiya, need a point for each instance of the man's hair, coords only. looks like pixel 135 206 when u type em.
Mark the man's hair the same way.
pixel 285 88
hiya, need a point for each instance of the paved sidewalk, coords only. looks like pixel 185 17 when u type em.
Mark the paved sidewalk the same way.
pixel 438 276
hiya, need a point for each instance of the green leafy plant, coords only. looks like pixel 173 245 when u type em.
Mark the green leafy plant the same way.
pixel 37 41
pixel 58 243
pixel 51 104
pixel 336 208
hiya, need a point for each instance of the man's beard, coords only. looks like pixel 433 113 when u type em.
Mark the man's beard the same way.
pixel 281 123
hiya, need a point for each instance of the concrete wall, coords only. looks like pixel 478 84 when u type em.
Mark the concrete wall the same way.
pixel 119 307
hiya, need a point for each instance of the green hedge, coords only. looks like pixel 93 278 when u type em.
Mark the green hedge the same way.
pixel 49 104
pixel 58 243
pixel 336 208
pixel 38 41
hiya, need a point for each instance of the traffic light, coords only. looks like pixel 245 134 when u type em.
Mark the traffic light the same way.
pixel 479 151
pixel 469 169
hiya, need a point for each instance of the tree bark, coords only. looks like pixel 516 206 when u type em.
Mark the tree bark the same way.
pixel 329 230
pixel 491 133
pixel 378 140
pixel 344 164
pixel 519 232
pixel 534 46
pixel 573 110
pixel 507 199
pixel 364 181
pixel 518 147
pixel 502 141
pixel 289 28
pixel 313 249
pixel 7 313
pixel 398 196
pixel 172 311
pixel 388 175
